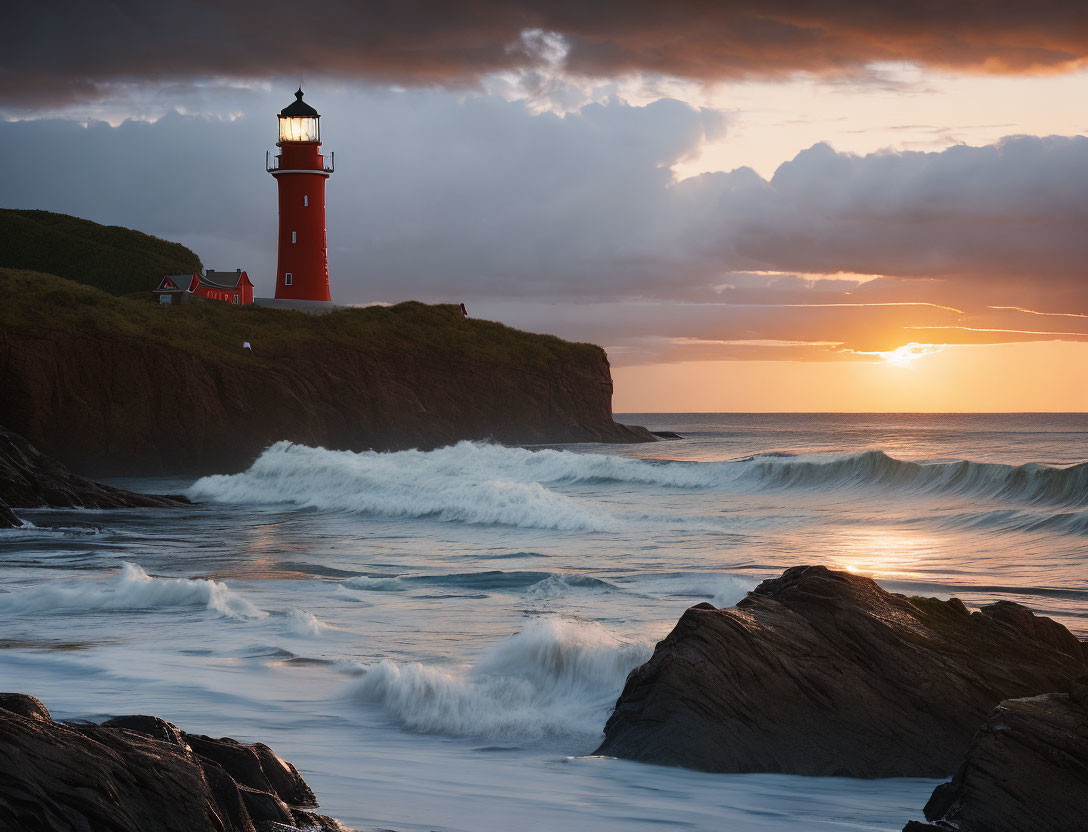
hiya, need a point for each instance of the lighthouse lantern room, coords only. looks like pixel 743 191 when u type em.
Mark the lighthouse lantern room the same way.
pixel 302 271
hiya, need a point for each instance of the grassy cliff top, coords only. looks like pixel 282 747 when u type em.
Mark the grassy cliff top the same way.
pixel 116 260
pixel 46 303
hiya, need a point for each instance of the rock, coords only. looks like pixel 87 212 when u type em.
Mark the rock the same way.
pixel 255 766
pixel 151 726
pixel 821 672
pixel 29 479
pixel 8 520
pixel 23 705
pixel 1026 770
pixel 665 434
pixel 140 774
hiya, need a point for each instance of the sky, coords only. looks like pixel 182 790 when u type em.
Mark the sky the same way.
pixel 782 205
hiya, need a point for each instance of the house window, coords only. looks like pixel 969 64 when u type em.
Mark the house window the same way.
pixel 235 298
pixel 305 200
pixel 287 279
pixel 294 236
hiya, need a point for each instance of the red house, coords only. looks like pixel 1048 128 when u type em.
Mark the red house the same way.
pixel 228 287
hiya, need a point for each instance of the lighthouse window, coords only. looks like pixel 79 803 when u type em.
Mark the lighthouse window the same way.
pixel 305 200
pixel 294 237
pixel 287 279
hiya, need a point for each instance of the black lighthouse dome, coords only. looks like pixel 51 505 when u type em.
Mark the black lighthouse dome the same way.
pixel 298 108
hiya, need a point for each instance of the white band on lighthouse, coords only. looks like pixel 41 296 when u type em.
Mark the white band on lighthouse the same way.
pixel 324 173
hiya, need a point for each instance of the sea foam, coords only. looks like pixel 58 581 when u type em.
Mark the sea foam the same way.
pixel 465 483
pixel 130 589
pixel 481 483
pixel 555 677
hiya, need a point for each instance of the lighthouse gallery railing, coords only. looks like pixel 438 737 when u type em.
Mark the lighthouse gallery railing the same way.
pixel 272 163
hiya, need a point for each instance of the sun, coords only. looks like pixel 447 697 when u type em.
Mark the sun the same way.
pixel 907 354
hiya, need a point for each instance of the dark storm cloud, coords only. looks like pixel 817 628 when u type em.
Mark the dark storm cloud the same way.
pixel 61 51
pixel 446 197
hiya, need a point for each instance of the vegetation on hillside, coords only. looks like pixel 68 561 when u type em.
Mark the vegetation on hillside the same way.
pixel 46 303
pixel 117 260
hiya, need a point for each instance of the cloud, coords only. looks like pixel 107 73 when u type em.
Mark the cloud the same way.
pixel 71 50
pixel 575 223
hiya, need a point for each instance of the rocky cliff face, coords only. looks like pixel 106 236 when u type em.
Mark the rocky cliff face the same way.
pixel 103 399
pixel 821 672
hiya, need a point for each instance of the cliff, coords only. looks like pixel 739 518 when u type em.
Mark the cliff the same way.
pixel 118 386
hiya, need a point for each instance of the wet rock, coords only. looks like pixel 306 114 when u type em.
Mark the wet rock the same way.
pixel 29 479
pixel 151 726
pixel 1026 770
pixel 8 520
pixel 821 672
pixel 140 774
pixel 256 767
pixel 23 705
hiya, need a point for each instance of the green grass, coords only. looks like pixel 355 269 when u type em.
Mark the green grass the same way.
pixel 117 260
pixel 45 303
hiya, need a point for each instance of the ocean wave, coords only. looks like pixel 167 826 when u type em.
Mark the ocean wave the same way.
pixel 1009 520
pixel 305 624
pixel 480 483
pixel 555 677
pixel 1031 483
pixel 130 589
pixel 494 580
pixel 720 589
pixel 378 584
pixel 462 483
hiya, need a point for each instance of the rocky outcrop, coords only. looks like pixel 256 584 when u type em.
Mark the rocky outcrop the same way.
pixel 821 672
pixel 144 390
pixel 141 774
pixel 1026 770
pixel 29 479
pixel 8 520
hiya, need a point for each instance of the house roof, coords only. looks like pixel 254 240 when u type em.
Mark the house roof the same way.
pixel 174 283
pixel 225 280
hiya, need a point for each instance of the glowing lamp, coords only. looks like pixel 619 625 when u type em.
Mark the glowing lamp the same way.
pixel 299 122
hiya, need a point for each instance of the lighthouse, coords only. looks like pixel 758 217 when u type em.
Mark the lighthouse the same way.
pixel 302 269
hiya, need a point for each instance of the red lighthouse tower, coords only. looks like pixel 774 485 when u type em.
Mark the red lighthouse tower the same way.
pixel 302 272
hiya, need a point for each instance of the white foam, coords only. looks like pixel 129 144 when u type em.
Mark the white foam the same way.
pixel 130 589
pixel 467 483
pixel 555 677
pixel 722 590
pixel 305 624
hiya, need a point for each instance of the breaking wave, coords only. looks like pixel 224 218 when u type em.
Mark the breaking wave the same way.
pixel 465 483
pixel 556 677
pixel 305 624
pixel 482 483
pixel 1031 483
pixel 130 589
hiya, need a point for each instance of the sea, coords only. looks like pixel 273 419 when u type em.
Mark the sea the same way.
pixel 436 638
